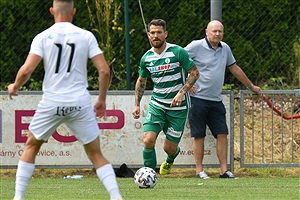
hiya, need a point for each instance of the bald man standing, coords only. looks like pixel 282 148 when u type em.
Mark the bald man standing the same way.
pixel 212 56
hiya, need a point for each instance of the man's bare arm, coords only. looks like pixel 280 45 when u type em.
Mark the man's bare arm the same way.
pixel 140 87
pixel 194 74
pixel 24 73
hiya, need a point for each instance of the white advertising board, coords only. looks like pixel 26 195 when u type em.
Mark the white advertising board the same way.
pixel 121 135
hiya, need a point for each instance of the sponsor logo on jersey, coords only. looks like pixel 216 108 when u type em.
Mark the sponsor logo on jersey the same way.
pixel 160 68
pixel 64 111
pixel 50 36
pixel 174 133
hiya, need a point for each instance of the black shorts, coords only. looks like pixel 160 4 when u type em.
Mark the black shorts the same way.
pixel 210 113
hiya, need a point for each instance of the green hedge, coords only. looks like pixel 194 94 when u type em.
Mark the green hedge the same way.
pixel 263 35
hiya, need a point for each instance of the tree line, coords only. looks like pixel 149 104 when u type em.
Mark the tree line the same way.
pixel 263 35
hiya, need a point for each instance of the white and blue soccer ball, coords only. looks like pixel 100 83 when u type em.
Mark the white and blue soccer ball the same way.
pixel 145 177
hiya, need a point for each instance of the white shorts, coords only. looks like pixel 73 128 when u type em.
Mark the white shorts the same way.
pixel 78 116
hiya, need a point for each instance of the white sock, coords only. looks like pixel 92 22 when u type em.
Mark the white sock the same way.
pixel 24 173
pixel 107 176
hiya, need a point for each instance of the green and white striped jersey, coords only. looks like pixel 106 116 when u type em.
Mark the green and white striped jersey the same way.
pixel 168 72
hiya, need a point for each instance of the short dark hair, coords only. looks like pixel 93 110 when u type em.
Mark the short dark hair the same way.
pixel 158 22
pixel 67 1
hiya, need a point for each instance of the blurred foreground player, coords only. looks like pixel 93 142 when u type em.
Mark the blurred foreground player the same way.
pixel 65 50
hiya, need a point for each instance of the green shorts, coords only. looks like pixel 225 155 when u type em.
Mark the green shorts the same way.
pixel 172 122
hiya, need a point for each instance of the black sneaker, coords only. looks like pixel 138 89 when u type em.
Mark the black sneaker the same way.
pixel 227 174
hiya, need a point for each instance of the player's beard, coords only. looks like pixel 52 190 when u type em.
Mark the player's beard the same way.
pixel 158 43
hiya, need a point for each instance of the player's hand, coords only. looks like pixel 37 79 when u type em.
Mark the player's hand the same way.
pixel 100 108
pixel 12 91
pixel 136 112
pixel 177 100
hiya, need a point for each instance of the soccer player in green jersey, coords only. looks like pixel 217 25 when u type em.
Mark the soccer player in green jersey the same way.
pixel 173 74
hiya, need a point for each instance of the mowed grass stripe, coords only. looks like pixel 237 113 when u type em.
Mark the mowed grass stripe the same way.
pixel 166 188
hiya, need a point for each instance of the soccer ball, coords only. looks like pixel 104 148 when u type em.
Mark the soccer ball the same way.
pixel 145 177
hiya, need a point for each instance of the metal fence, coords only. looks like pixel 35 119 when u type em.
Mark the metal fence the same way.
pixel 269 62
pixel 270 129
pixel 246 32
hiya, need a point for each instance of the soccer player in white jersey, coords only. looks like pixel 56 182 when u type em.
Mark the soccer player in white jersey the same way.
pixel 167 65
pixel 65 50
pixel 212 56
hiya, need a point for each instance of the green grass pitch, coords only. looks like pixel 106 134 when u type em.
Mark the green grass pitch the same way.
pixel 167 188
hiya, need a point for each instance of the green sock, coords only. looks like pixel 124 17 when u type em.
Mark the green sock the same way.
pixel 149 156
pixel 170 159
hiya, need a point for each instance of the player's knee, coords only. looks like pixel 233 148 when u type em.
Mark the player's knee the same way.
pixel 149 139
pixel 149 143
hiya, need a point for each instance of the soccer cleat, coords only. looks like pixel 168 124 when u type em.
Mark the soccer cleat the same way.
pixel 165 168
pixel 227 174
pixel 202 175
